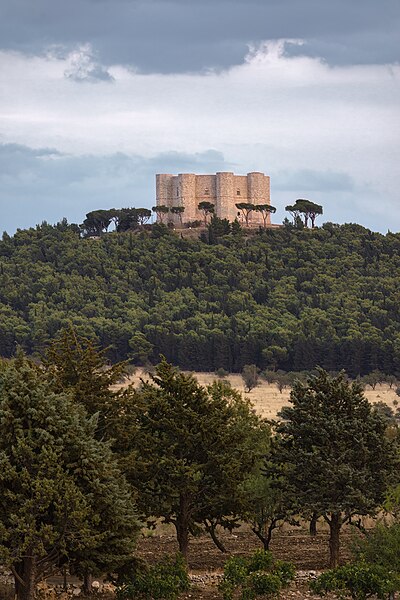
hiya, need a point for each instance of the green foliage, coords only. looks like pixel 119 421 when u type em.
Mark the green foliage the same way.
pixel 359 580
pixel 218 228
pixel 381 546
pixel 74 364
pixel 246 209
pixel 178 210
pixel 327 296
pixel 256 575
pixel 265 210
pixel 161 210
pixel 63 496
pixel 266 504
pixel 207 208
pixel 308 209
pixel 250 377
pixel 392 499
pixel 188 448
pixel 165 580
pixel 332 448
pixel 221 373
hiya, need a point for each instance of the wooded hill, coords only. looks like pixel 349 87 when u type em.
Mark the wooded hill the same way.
pixel 285 299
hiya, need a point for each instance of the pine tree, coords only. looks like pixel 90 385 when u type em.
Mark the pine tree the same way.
pixel 62 495
pixel 76 365
pixel 191 447
pixel 334 452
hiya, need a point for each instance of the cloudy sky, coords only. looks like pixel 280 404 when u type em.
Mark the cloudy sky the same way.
pixel 96 96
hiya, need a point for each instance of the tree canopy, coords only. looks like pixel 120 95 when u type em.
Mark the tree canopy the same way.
pixel 191 448
pixel 333 451
pixel 63 498
pixel 284 298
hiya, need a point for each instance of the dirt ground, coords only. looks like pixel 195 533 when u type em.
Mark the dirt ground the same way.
pixel 266 398
pixel 309 554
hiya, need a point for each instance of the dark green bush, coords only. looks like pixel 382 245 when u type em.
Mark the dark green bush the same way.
pixel 163 581
pixel 221 372
pixel 381 546
pixel 359 580
pixel 264 584
pixel 256 575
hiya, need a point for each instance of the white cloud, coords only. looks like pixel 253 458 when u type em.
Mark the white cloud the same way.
pixel 85 67
pixel 274 112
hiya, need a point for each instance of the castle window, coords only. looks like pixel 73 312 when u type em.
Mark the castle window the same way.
pixel 206 192
pixel 237 192
pixel 177 193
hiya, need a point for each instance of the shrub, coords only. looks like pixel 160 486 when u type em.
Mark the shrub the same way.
pixel 250 377
pixel 165 580
pixel 359 580
pixel 263 584
pixel 221 373
pixel 285 570
pixel 256 575
pixel 381 546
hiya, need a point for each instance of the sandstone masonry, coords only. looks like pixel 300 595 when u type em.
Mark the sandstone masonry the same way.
pixel 224 190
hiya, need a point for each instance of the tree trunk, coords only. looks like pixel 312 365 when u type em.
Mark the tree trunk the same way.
pixel 182 526
pixel 210 527
pixel 265 539
pixel 87 583
pixel 313 524
pixel 25 578
pixel 335 524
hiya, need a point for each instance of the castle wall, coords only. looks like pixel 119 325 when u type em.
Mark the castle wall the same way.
pixel 224 190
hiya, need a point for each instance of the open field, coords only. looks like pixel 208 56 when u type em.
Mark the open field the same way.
pixel 266 398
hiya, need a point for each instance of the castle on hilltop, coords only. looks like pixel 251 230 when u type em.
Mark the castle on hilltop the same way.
pixel 224 190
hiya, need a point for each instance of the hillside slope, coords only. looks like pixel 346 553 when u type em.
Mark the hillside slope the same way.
pixel 285 298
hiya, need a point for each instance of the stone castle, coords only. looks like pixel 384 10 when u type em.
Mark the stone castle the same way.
pixel 224 190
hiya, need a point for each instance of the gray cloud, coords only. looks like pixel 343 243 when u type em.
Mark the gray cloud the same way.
pixel 188 35
pixel 41 184
pixel 315 181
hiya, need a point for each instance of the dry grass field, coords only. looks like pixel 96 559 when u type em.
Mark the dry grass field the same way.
pixel 266 398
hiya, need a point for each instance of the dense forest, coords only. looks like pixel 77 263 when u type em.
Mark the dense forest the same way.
pixel 279 298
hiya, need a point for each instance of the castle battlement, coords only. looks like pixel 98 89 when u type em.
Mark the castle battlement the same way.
pixel 224 190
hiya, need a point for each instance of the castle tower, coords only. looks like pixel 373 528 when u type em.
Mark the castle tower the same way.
pixel 258 192
pixel 224 207
pixel 186 194
pixel 164 189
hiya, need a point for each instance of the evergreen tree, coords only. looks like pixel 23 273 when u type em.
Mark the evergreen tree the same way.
pixel 334 452
pixel 77 366
pixel 191 448
pixel 62 495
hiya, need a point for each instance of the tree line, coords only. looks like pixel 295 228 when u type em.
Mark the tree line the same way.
pixel 97 222
pixel 285 299
pixel 84 461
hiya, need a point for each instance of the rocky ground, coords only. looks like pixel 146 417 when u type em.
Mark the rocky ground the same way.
pixel 309 554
